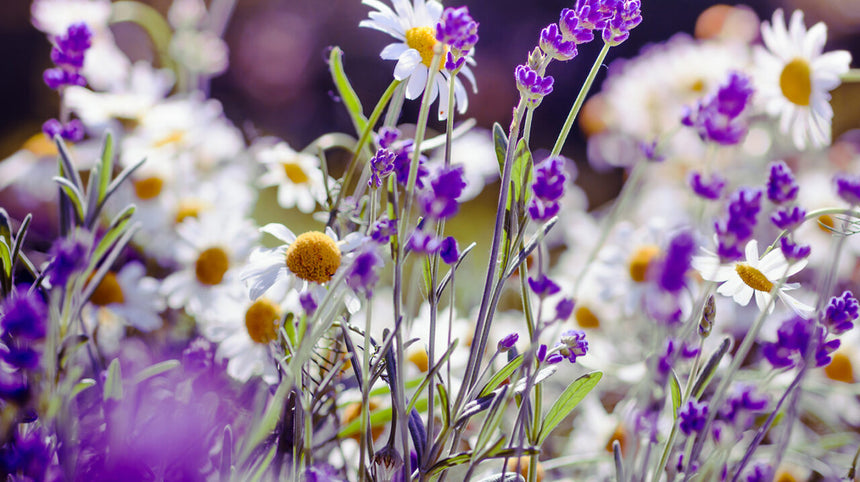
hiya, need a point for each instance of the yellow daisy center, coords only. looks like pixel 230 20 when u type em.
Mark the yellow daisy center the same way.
pixel 521 465
pixel 840 368
pixel 419 358
pixel 826 223
pixel 189 208
pixel 621 436
pixel 641 260
pixel 108 291
pixel 261 320
pixel 172 138
pixel 585 318
pixel 753 278
pixel 41 145
pixel 313 256
pixel 422 39
pixel 148 188
pixel 796 81
pixel 295 173
pixel 784 476
pixel 211 266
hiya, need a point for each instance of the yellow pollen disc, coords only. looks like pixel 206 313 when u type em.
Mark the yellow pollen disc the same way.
pixel 40 145
pixel 826 223
pixel 621 436
pixel 190 208
pixel 211 266
pixel 753 277
pixel 148 188
pixel 261 321
pixel 698 86
pixel 295 173
pixel 172 138
pixel 353 411
pixel 419 358
pixel 521 465
pixel 796 82
pixel 783 475
pixel 313 256
pixel 641 260
pixel 422 39
pixel 108 291
pixel 585 318
pixel 840 368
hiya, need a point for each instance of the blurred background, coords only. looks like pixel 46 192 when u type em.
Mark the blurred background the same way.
pixel 278 82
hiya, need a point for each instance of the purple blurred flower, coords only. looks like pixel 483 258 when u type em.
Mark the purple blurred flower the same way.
pixel 563 309
pixel 719 118
pixel 68 55
pixel 673 269
pixel 448 250
pixel 322 472
pixel 73 131
pixel 841 313
pixel 848 188
pixel 781 186
pixel 363 273
pixel 387 136
pixel 792 340
pixel 508 342
pixel 29 455
pixel 68 256
pixel 712 189
pixel 543 286
pixel 423 243
pixel 382 230
pixel 788 218
pixel 441 201
pixel 741 405
pixel 760 472
pixel 402 164
pixel 692 417
pixel 553 43
pixel 24 315
pixel 381 165
pixel 198 356
pixel 794 251
pixel 736 228
pixel 309 304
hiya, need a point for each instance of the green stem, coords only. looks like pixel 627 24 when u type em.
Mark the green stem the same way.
pixel 580 99
pixel 853 75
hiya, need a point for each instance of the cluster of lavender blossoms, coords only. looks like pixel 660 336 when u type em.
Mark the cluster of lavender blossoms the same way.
pixel 406 308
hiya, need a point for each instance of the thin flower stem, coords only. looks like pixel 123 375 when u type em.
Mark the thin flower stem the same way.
pixel 580 98
pixel 449 124
pixel 364 441
pixel 853 75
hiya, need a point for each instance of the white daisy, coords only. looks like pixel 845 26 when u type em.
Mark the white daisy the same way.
pixel 415 28
pixel 211 250
pixel 308 261
pixel 130 295
pixel 298 176
pixel 743 278
pixel 246 332
pixel 794 78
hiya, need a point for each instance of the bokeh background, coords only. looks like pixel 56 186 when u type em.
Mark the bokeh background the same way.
pixel 278 82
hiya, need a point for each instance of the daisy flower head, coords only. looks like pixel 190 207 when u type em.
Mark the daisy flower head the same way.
pixel 130 295
pixel 305 262
pixel 753 275
pixel 298 176
pixel 795 78
pixel 415 29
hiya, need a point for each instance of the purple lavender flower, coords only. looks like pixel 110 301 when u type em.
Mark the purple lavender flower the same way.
pixel 573 29
pixel 792 340
pixel 543 286
pixel 848 188
pixel 594 14
pixel 441 201
pixel 29 455
pixel 309 304
pixel 719 118
pixel 508 342
pixel 794 251
pixel 541 353
pixel 548 188
pixel 574 344
pixel 788 218
pixel 741 405
pixel 198 356
pixel 68 256
pixel 737 227
pixel 841 312
pixel 532 86
pixel 554 358
pixel 760 472
pixel 322 472
pixel 781 186
pixel 363 273
pixel 68 55
pixel 673 269
pixel 553 43
pixel 563 309
pixel 448 250
pixel 423 243
pixel 712 189
pixel 387 136
pixel 381 165
pixel 627 15
pixel 692 417
pixel 457 29
pixel 649 150
pixel 402 164
pixel 73 131
pixel 24 315
pixel 382 230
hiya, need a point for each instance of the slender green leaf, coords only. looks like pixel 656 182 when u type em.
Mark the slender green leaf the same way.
pixel 377 418
pixel 568 400
pixel 81 386
pixel 345 90
pixel 128 171
pixel 19 238
pixel 500 144
pixel 155 370
pixel 453 461
pixel 521 172
pixel 711 366
pixel 106 166
pixel 501 375
pixel 115 230
pixel 5 258
pixel 113 384
pixel 108 262
pixel 675 387
pixel 73 194
pixel 67 166
pixel 91 197
pixel 493 420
